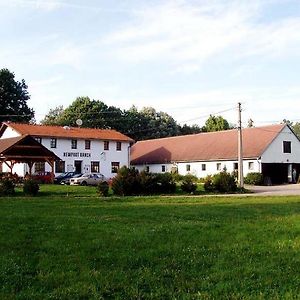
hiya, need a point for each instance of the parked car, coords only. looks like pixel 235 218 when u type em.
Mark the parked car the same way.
pixel 42 177
pixel 58 179
pixel 67 180
pixel 88 179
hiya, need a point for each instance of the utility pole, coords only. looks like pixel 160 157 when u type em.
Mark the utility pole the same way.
pixel 240 148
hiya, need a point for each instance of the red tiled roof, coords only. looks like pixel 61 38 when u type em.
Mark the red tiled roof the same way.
pixel 220 145
pixel 67 132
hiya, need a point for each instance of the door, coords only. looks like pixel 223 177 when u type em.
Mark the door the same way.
pixel 78 166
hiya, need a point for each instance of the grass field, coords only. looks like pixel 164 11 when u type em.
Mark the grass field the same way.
pixel 69 244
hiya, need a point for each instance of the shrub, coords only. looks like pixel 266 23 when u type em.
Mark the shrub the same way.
pixel 223 182
pixel 189 184
pixel 208 184
pixel 254 178
pixel 102 189
pixel 148 183
pixel 30 187
pixel 7 187
pixel 165 183
pixel 127 182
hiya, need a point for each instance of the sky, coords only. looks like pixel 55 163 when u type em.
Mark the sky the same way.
pixel 189 58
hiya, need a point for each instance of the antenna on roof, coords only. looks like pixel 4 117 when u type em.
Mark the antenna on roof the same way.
pixel 79 122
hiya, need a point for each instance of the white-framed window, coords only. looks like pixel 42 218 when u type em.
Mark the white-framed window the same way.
pixel 188 168
pixel 53 142
pixel 147 169
pixel 39 166
pixel 106 145
pixel 163 169
pixel 73 144
pixel 115 166
pixel 95 166
pixel 60 166
pixel 203 167
pixel 287 147
pixel 219 166
pixel 119 146
pixel 235 166
pixel 87 144
pixel 251 165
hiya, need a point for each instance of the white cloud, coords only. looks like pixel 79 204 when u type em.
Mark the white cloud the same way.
pixel 188 36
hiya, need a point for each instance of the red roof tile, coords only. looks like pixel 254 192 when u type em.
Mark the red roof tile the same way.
pixel 220 145
pixel 67 132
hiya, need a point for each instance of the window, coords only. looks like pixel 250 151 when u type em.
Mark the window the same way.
pixel 163 169
pixel 287 147
pixel 115 166
pixel 251 165
pixel 39 167
pixel 106 145
pixel 38 139
pixel 188 168
pixel 147 169
pixel 87 144
pixel 53 143
pixel 95 166
pixel 219 166
pixel 203 166
pixel 73 144
pixel 119 146
pixel 59 167
pixel 235 166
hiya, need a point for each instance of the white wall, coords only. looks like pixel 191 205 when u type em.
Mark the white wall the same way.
pixel 63 145
pixel 274 153
pixel 196 167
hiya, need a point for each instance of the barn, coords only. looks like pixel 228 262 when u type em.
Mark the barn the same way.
pixel 272 150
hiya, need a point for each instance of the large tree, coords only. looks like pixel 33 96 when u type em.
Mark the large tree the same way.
pixel 142 124
pixel 13 99
pixel 216 123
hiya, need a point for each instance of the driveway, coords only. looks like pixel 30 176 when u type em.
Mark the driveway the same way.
pixel 284 189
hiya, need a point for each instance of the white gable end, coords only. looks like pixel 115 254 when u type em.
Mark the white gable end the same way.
pixel 9 133
pixel 275 152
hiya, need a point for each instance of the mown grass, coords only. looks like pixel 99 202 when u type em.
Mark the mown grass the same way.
pixel 58 246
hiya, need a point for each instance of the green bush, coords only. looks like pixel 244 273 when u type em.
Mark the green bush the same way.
pixel 189 184
pixel 223 182
pixel 30 187
pixel 165 183
pixel 102 189
pixel 7 187
pixel 127 182
pixel 208 184
pixel 148 183
pixel 254 178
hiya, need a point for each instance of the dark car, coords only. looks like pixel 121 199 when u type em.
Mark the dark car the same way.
pixel 67 180
pixel 58 179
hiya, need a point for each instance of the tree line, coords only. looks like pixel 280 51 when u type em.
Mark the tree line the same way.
pixel 146 123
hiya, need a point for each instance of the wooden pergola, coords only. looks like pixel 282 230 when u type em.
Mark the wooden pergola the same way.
pixel 25 149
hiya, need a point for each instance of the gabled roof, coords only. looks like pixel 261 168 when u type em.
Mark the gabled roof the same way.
pixel 210 146
pixel 66 132
pixel 24 148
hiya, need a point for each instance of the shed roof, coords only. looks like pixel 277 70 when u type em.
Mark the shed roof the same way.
pixel 209 146
pixel 65 132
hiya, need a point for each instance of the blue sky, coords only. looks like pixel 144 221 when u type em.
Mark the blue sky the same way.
pixel 189 58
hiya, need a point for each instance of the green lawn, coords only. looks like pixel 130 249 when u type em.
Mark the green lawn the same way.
pixel 69 244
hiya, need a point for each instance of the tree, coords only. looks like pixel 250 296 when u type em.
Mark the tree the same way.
pixel 54 117
pixel 216 123
pixel 296 128
pixel 13 99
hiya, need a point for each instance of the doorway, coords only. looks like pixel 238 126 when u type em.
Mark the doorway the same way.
pixel 78 166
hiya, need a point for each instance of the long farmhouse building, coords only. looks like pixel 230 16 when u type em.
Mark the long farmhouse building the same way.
pixel 271 150
pixel 83 150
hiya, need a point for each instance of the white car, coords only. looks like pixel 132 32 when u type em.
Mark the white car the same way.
pixel 87 179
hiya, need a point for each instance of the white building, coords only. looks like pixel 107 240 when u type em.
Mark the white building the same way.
pixel 83 150
pixel 272 150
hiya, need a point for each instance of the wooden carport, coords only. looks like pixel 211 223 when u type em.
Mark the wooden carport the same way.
pixel 25 149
